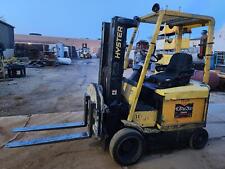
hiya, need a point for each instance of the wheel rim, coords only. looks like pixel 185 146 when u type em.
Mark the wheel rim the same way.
pixel 128 148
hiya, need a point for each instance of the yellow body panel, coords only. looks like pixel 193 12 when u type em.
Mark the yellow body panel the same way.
pixel 165 60
pixel 166 30
pixel 145 118
pixel 195 94
pixel 142 118
pixel 127 92
pixel 193 90
pixel 169 109
pixel 184 45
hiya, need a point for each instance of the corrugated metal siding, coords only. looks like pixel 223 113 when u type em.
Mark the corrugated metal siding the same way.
pixel 7 36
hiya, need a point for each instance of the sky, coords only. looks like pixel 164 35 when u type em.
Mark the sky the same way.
pixel 83 18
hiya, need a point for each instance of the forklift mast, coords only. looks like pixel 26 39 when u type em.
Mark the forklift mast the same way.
pixel 113 46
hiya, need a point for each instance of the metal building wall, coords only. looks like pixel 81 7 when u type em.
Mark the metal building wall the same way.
pixel 7 35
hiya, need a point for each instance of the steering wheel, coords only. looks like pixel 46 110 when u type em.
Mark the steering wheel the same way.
pixel 153 59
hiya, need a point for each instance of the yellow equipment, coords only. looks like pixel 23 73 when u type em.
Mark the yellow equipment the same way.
pixel 178 108
pixel 128 112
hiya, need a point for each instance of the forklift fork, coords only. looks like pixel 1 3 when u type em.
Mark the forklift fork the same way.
pixel 87 122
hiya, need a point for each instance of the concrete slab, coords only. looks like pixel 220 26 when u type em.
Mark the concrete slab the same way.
pixel 86 154
pixel 216 121
pixel 216 112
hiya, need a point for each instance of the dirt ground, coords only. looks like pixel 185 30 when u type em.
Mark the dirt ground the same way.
pixel 51 90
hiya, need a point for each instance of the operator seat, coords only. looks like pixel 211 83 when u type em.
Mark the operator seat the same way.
pixel 177 73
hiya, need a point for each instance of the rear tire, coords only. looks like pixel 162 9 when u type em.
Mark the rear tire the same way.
pixel 198 139
pixel 126 147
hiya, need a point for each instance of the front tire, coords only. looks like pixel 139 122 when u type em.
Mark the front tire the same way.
pixel 126 147
pixel 199 139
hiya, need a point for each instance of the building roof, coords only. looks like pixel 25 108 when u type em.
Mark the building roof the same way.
pixel 4 23
pixel 92 44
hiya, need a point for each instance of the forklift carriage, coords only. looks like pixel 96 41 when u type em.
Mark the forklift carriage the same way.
pixel 125 111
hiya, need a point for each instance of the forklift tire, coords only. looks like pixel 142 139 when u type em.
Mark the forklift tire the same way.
pixel 198 139
pixel 126 146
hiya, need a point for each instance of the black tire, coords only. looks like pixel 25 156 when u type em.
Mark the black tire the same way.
pixel 198 139
pixel 126 147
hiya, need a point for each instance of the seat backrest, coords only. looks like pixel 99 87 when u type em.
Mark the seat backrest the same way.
pixel 180 62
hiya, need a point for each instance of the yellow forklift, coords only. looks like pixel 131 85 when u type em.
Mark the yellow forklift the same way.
pixel 125 112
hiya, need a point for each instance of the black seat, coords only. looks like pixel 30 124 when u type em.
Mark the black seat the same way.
pixel 177 73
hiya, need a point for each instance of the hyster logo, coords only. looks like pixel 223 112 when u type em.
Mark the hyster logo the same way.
pixel 119 35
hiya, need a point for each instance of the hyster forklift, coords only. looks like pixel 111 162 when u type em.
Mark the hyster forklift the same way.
pixel 125 112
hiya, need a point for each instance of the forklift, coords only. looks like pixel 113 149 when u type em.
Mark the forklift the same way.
pixel 124 112
pixel 84 52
